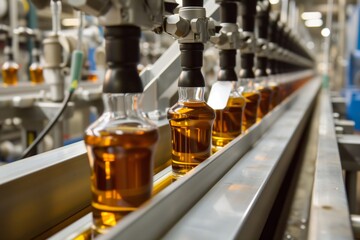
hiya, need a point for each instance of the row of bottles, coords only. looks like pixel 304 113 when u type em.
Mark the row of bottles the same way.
pixel 121 143
pixel 10 68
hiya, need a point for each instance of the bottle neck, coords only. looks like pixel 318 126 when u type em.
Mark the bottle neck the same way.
pixel 247 84
pixel 122 105
pixel 191 94
pixel 262 81
pixel 35 55
pixel 8 54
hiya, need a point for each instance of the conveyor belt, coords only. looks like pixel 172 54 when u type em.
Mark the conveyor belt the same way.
pixel 208 205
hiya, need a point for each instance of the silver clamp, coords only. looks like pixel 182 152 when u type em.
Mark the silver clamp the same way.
pixel 247 42
pixel 261 47
pixel 272 50
pixel 263 6
pixel 280 53
pixel 228 37
pixel 284 55
pixel 28 32
pixel 147 14
pixel 190 26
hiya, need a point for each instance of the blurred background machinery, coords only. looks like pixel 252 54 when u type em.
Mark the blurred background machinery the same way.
pixel 292 175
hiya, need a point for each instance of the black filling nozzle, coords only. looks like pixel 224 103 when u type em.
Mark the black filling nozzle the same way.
pixel 36 49
pixel 228 14
pixel 246 64
pixel 9 54
pixel 273 64
pixel 247 12
pixel 227 65
pixel 262 21
pixel 191 57
pixel 261 67
pixel 262 32
pixel 192 3
pixel 122 56
pixel 191 63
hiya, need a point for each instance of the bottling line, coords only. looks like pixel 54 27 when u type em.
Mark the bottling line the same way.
pixel 262 151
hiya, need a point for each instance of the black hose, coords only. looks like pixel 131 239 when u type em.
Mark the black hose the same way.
pixel 48 127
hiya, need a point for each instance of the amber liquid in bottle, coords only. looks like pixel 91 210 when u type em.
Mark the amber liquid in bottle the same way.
pixel 250 113
pixel 191 125
pixel 228 122
pixel 92 77
pixel 275 97
pixel 122 171
pixel 265 100
pixel 36 73
pixel 10 73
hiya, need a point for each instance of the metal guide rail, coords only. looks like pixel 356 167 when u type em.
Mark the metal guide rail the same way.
pixel 329 213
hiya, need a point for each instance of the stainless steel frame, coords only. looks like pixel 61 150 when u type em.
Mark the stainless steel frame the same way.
pixel 161 79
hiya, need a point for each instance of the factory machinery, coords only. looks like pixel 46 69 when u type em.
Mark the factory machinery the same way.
pixel 263 157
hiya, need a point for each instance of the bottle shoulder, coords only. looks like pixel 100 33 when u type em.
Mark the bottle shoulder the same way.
pixel 236 101
pixel 10 64
pixel 109 123
pixel 255 94
pixel 35 66
pixel 196 109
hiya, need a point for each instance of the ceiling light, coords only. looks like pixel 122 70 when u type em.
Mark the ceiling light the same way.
pixel 274 2
pixel 325 32
pixel 314 23
pixel 310 15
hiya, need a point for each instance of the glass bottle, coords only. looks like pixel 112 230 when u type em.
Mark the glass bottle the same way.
pixel 266 95
pixel 252 99
pixel 275 89
pixel 36 73
pixel 191 121
pixel 228 121
pixel 35 69
pixel 9 69
pixel 120 146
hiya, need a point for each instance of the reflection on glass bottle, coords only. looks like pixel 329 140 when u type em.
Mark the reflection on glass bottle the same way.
pixel 120 147
pixel 191 121
pixel 252 99
pixel 228 121
pixel 266 95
